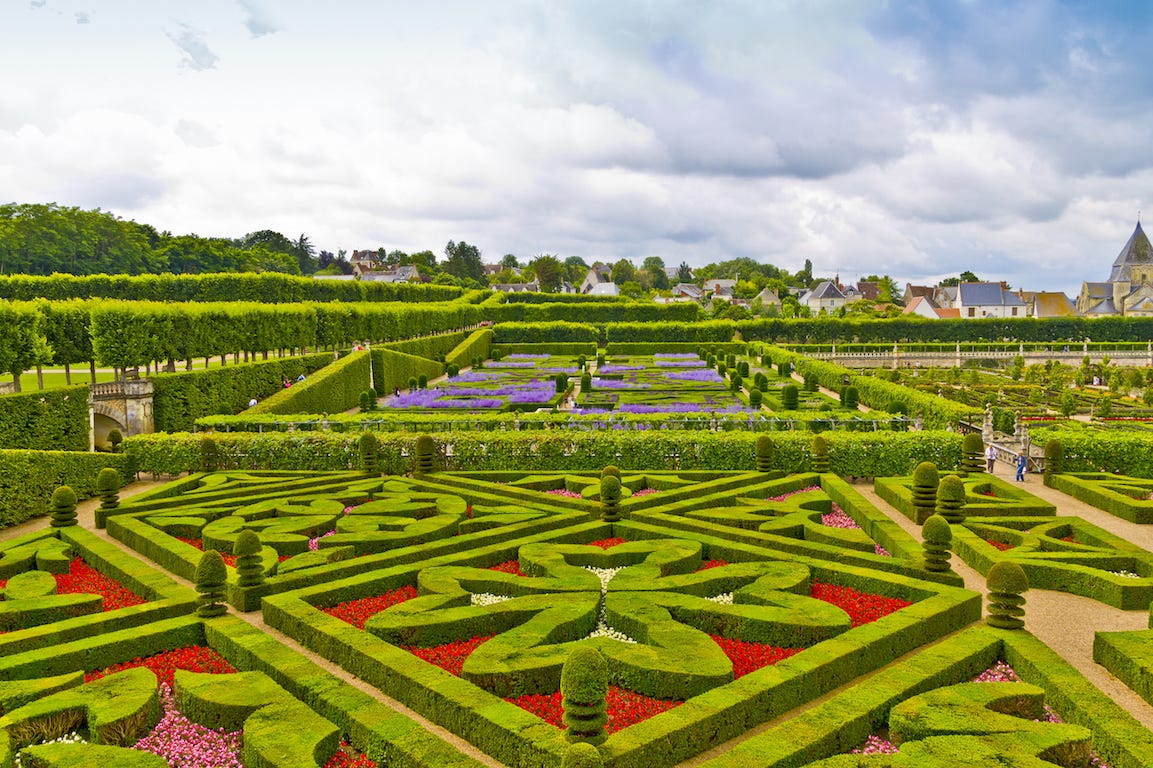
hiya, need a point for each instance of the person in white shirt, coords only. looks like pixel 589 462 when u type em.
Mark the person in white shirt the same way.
pixel 990 458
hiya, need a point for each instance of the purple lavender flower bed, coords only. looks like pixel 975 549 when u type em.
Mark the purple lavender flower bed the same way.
pixel 474 376
pixel 619 368
pixel 619 384
pixel 526 356
pixel 679 408
pixel 513 364
pixel 680 363
pixel 708 375
pixel 677 355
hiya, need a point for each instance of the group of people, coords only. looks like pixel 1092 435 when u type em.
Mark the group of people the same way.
pixel 287 384
pixel 991 461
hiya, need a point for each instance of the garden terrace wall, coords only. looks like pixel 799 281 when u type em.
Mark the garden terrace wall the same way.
pixel 334 388
pixel 868 454
pixel 266 288
pixel 478 344
pixel 51 419
pixel 28 478
pixel 179 399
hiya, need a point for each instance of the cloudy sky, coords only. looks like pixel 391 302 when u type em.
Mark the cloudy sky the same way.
pixel 918 139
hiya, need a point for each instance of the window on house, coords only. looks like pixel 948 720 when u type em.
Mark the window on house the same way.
pixel 1014 311
pixel 972 311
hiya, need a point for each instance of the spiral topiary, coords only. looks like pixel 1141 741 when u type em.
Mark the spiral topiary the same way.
pixel 365 402
pixel 755 398
pixel 925 480
pixel 820 453
pixel 951 499
pixel 1007 583
pixel 600 359
pixel 586 382
pixel 424 456
pixel 611 469
pixel 765 448
pixel 731 360
pixel 108 487
pixel 369 449
pixel 610 498
pixel 561 382
pixel 937 537
pixel 735 382
pixel 790 396
pixel 722 369
pixel 211 576
pixel 63 507
pixel 760 381
pixel 784 369
pixel 584 684
pixel 743 368
pixel 249 568
pixel 811 382
pixel 972 453
pixel 1054 456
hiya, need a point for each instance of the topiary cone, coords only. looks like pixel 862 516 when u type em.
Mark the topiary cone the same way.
pixel 584 684
pixel 211 576
pixel 368 446
pixel 108 487
pixel 937 537
pixel 972 453
pixel 925 481
pixel 582 755
pixel 249 568
pixel 820 451
pixel 63 507
pixel 424 456
pixel 1007 583
pixel 765 450
pixel 951 499
pixel 790 396
pixel 610 498
pixel 209 454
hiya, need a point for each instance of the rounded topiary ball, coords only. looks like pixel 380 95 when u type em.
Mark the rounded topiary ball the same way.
pixel 972 453
pixel 611 469
pixel 582 755
pixel 63 507
pixel 765 449
pixel 790 396
pixel 755 398
pixel 925 481
pixel 584 684
pixel 1007 583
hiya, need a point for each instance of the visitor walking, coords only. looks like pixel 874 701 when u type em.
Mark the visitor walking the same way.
pixel 990 458
pixel 1022 462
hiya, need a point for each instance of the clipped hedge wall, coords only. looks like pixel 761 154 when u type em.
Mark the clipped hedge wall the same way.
pixel 50 419
pixel 586 348
pixel 1088 487
pixel 27 478
pixel 179 399
pixel 858 454
pixel 599 312
pixel 335 388
pixel 477 344
pixel 427 346
pixel 696 333
pixel 657 347
pixel 392 370
pixel 1126 453
pixel 528 333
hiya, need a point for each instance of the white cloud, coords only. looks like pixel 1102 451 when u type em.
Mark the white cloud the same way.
pixel 196 53
pixel 256 19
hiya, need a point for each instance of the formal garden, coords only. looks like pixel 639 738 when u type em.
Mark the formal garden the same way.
pixel 462 529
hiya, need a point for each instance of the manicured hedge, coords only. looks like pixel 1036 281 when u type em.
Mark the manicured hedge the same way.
pixel 27 479
pixel 573 349
pixel 267 288
pixel 427 346
pixel 1124 453
pixel 559 332
pixel 598 312
pixel 657 347
pixel 867 454
pixel 392 370
pixel 179 399
pixel 334 388
pixel 696 333
pixel 477 344
pixel 51 419
pixel 1090 488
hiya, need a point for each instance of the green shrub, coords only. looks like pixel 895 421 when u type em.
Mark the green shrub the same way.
pixel 820 454
pixel 925 482
pixel 368 448
pixel 561 381
pixel 743 368
pixel 951 499
pixel 850 397
pixel 755 398
pixel 422 381
pixel 54 419
pixel 108 488
pixel 209 454
pixel 115 438
pixel 1007 583
pixel 1054 456
pixel 764 453
pixel 973 458
pixel 584 685
pixel 365 402
pixel 611 469
pixel 249 568
pixel 63 507
pixel 586 382
pixel 610 498
pixel 790 397
pixel 332 389
pixel 424 457
pixel 938 536
pixel 811 381
pixel 211 576
pixel 582 755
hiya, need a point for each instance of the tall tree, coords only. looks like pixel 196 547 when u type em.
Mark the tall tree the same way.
pixel 463 260
pixel 575 269
pixel 304 251
pixel 549 272
pixel 509 261
pixel 684 273
pixel 654 267
pixel 623 272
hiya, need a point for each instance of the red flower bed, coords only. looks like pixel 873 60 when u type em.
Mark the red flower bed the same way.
pixel 508 566
pixel 607 543
pixel 1069 539
pixel 999 545
pixel 624 708
pixel 451 656
pixel 749 657
pixel 348 757
pixel 83 579
pixel 861 606
pixel 356 612
pixel 194 658
pixel 711 564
